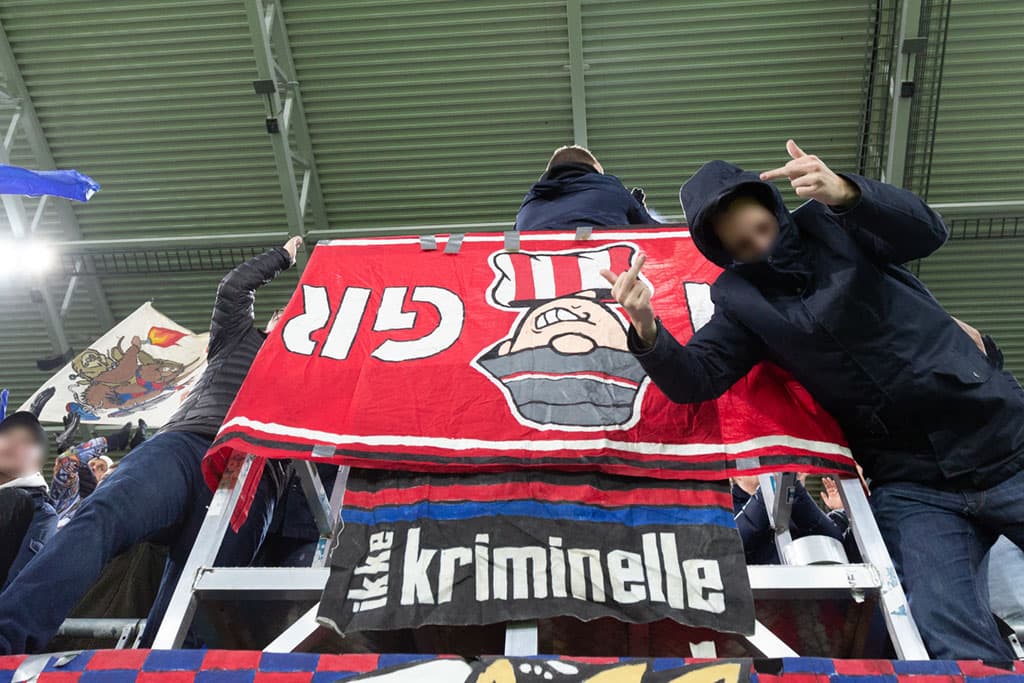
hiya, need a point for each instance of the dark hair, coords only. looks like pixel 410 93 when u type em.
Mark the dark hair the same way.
pixel 572 154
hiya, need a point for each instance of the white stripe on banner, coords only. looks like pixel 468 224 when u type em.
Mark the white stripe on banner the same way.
pixel 500 238
pixel 543 277
pixel 590 269
pixel 644 448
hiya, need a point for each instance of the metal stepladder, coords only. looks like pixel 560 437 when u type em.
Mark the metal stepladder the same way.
pixel 875 579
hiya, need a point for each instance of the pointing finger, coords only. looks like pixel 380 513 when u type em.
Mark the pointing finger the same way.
pixel 794 150
pixel 775 174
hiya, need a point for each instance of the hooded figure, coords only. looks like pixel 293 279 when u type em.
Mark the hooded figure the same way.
pixel 575 191
pixel 831 302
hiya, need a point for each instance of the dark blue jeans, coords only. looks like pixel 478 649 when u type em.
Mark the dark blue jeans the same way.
pixel 156 494
pixel 938 541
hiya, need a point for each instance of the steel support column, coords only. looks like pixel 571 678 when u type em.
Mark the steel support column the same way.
pixel 577 67
pixel 286 118
pixel 901 92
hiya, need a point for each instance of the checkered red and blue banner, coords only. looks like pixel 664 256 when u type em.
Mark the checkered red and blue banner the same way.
pixel 219 666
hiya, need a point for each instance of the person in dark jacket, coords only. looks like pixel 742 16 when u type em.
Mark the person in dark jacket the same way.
pixel 823 293
pixel 755 527
pixel 27 520
pixel 575 191
pixel 157 493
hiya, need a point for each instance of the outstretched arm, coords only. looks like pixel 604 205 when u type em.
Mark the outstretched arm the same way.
pixel 714 359
pixel 894 224
pixel 720 354
pixel 233 314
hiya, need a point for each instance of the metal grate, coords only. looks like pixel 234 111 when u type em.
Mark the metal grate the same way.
pixel 166 260
pixel 879 61
pixel 986 227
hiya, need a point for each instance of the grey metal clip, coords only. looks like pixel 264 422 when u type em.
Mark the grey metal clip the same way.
pixel 428 243
pixel 512 240
pixel 583 232
pixel 454 243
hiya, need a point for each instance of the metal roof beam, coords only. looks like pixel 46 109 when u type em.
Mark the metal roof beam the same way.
pixel 286 118
pixel 577 68
pixel 26 121
pixel 901 93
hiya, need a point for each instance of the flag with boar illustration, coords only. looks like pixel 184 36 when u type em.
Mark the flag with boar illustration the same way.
pixel 143 369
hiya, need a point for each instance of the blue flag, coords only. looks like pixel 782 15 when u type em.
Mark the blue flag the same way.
pixel 3 403
pixel 69 184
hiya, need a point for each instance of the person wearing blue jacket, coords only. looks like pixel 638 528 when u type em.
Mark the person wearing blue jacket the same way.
pixel 575 191
pixel 823 292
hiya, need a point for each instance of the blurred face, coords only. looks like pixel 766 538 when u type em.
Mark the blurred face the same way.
pixel 20 454
pixel 747 230
pixel 98 467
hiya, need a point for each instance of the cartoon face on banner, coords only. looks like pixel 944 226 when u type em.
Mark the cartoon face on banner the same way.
pixel 564 363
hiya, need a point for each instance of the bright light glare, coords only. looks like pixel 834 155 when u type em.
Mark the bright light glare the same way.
pixel 25 257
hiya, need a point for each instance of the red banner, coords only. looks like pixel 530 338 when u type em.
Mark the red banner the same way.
pixel 392 356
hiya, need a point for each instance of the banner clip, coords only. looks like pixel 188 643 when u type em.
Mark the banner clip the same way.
pixel 428 243
pixel 512 240
pixel 323 451
pixel 583 232
pixel 454 243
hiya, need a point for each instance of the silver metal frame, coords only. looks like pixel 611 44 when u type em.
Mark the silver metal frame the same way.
pixel 291 142
pixel 201 580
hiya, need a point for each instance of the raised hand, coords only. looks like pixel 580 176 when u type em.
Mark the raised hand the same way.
pixel 830 496
pixel 812 179
pixel 292 246
pixel 635 297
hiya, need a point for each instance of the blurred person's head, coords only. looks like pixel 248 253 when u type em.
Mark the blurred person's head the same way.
pixel 22 446
pixel 745 227
pixel 574 154
pixel 101 467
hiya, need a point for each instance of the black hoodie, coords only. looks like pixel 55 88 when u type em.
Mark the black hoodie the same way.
pixel 834 306
pixel 571 195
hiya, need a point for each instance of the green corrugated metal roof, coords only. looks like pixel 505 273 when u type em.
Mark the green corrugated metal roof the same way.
pixel 979 139
pixel 673 84
pixel 427 113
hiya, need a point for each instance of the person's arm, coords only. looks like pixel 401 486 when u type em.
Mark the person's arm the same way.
pixel 714 359
pixel 720 354
pixel 808 519
pixel 894 224
pixel 638 213
pixel 754 527
pixel 233 313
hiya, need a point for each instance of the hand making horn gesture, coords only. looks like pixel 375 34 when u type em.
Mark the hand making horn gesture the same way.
pixel 812 179
pixel 635 297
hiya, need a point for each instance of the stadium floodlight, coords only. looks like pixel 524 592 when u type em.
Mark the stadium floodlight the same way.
pixel 25 258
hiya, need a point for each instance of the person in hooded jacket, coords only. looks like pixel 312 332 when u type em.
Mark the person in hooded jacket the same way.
pixel 158 493
pixel 823 292
pixel 27 519
pixel 575 191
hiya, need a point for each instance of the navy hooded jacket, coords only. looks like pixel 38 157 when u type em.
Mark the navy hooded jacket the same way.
pixel 834 306
pixel 572 195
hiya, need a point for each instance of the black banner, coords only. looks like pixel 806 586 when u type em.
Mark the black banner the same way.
pixel 482 570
